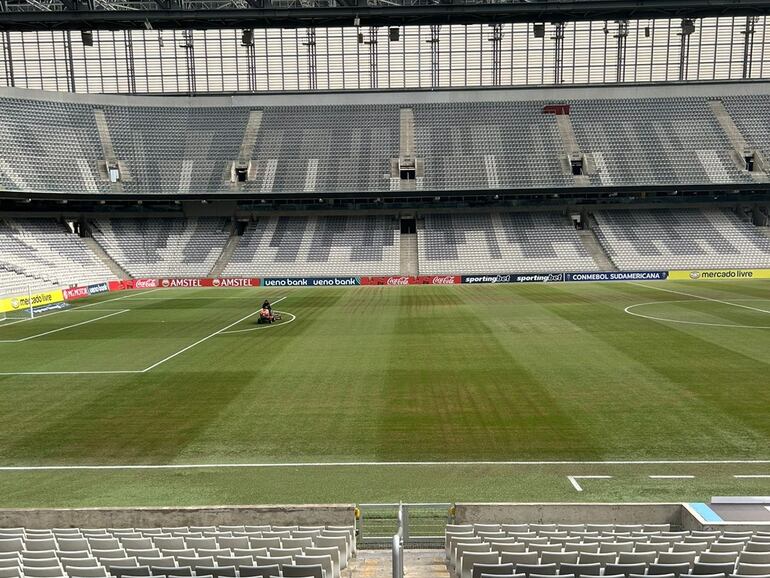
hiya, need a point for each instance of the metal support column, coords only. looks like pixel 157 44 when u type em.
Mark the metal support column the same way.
pixel 312 63
pixel 189 49
pixel 622 36
pixel 435 55
pixel 130 64
pixel 9 74
pixel 374 77
pixel 70 62
pixel 748 45
pixel 496 40
pixel 558 61
pixel 687 28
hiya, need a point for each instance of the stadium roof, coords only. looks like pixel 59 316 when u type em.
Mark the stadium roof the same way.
pixel 206 14
pixel 250 46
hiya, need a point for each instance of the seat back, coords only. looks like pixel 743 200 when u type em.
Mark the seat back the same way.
pixel 171 571
pixel 302 571
pixel 259 571
pixel 542 569
pixel 479 569
pixel 626 569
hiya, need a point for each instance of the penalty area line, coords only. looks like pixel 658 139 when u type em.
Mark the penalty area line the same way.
pixel 136 371
pixel 120 311
pixel 218 332
pixel 77 308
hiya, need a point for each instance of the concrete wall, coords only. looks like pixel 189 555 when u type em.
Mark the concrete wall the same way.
pixel 307 515
pixel 415 96
pixel 567 513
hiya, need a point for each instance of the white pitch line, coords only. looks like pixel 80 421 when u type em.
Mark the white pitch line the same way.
pixel 700 297
pixel 153 366
pixel 64 328
pixel 104 372
pixel 181 351
pixel 574 480
pixel 703 323
pixel 752 476
pixel 347 464
pixel 77 308
pixel 671 477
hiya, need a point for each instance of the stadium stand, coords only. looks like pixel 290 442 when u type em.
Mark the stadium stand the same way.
pixel 178 147
pixel 325 148
pixel 654 141
pixel 258 550
pixel 173 247
pixel 474 550
pixel 48 146
pixel 500 243
pixel 192 152
pixel 751 114
pixel 680 239
pixel 489 145
pixel 42 253
pixel 307 246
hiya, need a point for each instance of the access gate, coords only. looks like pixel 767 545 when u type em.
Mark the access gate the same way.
pixel 423 525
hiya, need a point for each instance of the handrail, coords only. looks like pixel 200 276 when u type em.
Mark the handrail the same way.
pixel 398 546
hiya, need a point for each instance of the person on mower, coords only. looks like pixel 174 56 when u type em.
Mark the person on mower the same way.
pixel 265 315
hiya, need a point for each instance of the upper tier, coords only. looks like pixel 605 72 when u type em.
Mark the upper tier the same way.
pixel 351 143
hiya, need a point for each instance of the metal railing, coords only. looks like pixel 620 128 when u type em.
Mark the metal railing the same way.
pixel 420 525
pixel 398 545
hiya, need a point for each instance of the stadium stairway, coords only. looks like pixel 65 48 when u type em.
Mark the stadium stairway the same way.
pixel 102 255
pixel 227 253
pixel 765 231
pixel 594 248
pixel 425 564
pixel 417 564
pixel 409 264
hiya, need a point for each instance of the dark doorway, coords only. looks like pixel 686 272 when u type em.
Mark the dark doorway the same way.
pixel 408 226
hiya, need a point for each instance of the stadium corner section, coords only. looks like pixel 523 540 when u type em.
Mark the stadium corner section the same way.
pixel 41 302
pixel 32 303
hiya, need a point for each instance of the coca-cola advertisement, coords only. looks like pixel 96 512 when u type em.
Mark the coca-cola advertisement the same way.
pixel 438 280
pixel 146 284
pixel 411 280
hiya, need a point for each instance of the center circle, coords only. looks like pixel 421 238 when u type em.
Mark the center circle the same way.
pixel 634 310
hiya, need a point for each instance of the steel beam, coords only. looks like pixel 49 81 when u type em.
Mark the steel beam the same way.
pixel 447 12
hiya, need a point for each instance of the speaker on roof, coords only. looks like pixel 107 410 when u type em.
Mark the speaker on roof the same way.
pixel 247 38
pixel 395 34
pixel 87 37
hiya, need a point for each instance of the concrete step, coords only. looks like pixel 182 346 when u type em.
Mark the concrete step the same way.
pixel 425 564
pixel 595 249
pixel 379 564
pixel 102 255
pixel 409 259
pixel 224 257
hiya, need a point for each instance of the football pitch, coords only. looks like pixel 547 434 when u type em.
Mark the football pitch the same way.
pixel 542 392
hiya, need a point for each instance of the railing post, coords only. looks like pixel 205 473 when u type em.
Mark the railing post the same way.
pixel 398 546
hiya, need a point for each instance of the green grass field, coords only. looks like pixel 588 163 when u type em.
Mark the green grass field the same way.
pixel 501 373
